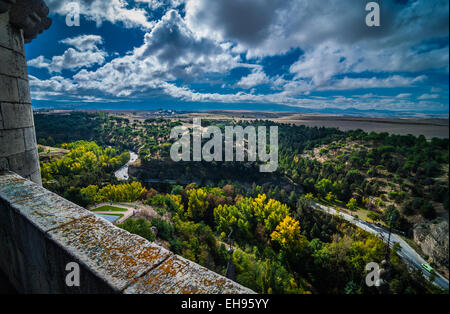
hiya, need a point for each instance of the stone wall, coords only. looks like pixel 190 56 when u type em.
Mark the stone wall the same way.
pixel 40 233
pixel 18 148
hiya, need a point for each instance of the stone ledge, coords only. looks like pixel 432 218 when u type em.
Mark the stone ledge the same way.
pixel 178 275
pixel 41 232
pixel 116 255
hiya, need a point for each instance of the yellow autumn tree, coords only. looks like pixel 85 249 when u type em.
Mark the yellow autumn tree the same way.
pixel 197 203
pixel 269 213
pixel 288 235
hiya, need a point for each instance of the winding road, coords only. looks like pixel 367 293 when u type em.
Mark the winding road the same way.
pixel 407 253
pixel 122 173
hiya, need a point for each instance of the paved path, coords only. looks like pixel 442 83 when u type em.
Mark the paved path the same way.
pixel 407 253
pixel 122 173
pixel 126 214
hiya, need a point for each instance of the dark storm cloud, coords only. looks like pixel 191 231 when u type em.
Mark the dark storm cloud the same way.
pixel 281 25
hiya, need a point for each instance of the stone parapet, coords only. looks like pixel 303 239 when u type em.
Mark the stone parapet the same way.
pixel 41 233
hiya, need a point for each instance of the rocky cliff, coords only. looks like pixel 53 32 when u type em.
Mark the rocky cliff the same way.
pixel 433 239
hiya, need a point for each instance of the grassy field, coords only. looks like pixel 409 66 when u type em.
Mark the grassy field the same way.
pixel 109 209
pixel 115 215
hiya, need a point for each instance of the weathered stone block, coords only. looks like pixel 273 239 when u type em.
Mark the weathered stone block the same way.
pixel 17 115
pixel 32 159
pixel 8 259
pixel 24 91
pixel 17 41
pixel 29 245
pixel 4 31
pixel 13 64
pixel 90 282
pixel 17 163
pixel 114 254
pixel 11 142
pixel 4 165
pixel 8 88
pixel 36 177
pixel 178 275
pixel 43 208
pixel 30 138
pixel 24 163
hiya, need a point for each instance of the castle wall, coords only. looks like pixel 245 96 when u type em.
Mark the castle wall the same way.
pixel 18 147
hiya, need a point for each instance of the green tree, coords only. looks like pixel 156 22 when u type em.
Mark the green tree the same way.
pixel 352 204
pixel 197 203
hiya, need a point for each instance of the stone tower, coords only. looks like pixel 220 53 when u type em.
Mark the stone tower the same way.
pixel 20 22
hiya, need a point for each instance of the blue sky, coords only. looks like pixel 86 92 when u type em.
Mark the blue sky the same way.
pixel 261 54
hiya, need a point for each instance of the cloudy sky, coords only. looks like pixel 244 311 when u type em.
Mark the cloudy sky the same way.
pixel 261 53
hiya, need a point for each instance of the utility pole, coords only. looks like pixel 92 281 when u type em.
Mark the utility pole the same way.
pixel 231 272
pixel 391 219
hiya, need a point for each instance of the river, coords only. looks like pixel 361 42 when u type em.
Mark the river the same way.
pixel 122 173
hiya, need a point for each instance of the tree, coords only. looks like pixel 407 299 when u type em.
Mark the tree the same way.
pixel 140 227
pixel 287 234
pixel 197 203
pixel 330 197
pixel 373 216
pixel 269 213
pixel 238 218
pixel 324 186
pixel 352 204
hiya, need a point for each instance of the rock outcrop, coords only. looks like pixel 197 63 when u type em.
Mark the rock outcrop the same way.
pixel 433 239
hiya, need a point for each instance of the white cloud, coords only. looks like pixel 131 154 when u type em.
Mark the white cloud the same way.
pixel 99 11
pixel 339 52
pixel 428 96
pixel 257 77
pixel 84 42
pixel 170 51
pixel 84 55
pixel 156 4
